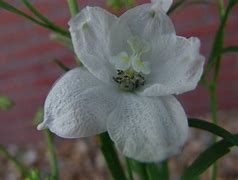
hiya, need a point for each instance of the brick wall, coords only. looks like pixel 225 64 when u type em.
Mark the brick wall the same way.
pixel 27 71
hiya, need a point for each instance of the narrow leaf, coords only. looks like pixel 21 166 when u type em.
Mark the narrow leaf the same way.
pixel 212 128
pixel 110 155
pixel 230 49
pixel 158 171
pixel 207 158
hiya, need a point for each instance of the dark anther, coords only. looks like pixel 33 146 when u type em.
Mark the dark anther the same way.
pixel 129 82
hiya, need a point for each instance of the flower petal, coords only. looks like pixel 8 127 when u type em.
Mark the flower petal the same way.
pixel 162 4
pixel 78 105
pixel 148 129
pixel 90 36
pixel 147 23
pixel 176 66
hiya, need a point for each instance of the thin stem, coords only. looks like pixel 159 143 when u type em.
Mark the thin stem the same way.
pixel 175 6
pixel 19 166
pixel 230 49
pixel 129 170
pixel 73 7
pixel 111 157
pixel 42 17
pixel 52 154
pixel 14 10
pixel 61 65
pixel 221 9
pixel 213 86
pixel 219 38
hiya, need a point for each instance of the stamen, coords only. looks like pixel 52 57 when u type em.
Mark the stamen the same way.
pixel 129 80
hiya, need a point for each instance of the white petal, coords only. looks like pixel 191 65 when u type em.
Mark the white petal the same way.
pixel 146 23
pixel 162 4
pixel 118 37
pixel 176 66
pixel 90 36
pixel 78 105
pixel 147 69
pixel 148 129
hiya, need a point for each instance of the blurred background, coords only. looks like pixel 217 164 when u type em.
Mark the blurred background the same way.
pixel 27 72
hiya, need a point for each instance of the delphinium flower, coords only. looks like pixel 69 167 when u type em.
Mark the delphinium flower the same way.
pixel 133 65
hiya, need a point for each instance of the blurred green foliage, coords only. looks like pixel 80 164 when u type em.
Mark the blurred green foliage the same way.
pixel 6 103
pixel 118 4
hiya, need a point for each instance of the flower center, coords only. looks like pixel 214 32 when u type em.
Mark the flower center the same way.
pixel 131 69
pixel 129 80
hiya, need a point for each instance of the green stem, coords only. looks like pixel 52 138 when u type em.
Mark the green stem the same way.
pixel 61 65
pixel 73 7
pixel 129 170
pixel 158 171
pixel 107 147
pixel 111 157
pixel 14 10
pixel 52 154
pixel 217 48
pixel 175 6
pixel 230 49
pixel 219 38
pixel 144 172
pixel 19 166
pixel 42 17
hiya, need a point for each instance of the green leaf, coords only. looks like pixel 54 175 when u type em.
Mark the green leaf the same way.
pixel 140 169
pixel 129 169
pixel 218 41
pixel 110 155
pixel 33 175
pixel 207 158
pixel 230 49
pixel 212 128
pixel 6 103
pixel 158 171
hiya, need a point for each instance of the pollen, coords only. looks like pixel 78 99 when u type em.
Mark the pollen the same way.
pixel 129 80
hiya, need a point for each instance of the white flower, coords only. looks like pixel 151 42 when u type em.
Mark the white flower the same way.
pixel 133 65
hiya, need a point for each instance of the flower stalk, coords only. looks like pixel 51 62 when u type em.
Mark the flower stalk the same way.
pixel 107 146
pixel 73 7
pixel 111 157
pixel 52 154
